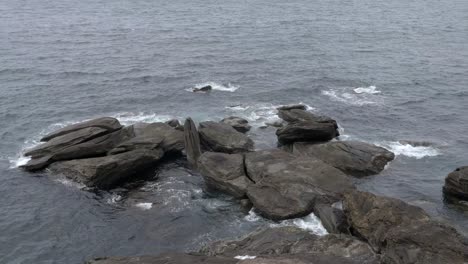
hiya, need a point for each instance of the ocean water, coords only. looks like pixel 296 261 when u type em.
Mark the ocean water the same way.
pixel 388 71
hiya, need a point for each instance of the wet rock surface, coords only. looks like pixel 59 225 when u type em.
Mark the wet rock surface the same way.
pixel 238 123
pixel 220 137
pixel 456 183
pixel 352 157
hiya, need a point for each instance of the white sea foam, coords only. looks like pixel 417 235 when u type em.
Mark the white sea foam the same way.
pixel 114 198
pixel 129 118
pixel 216 86
pixel 70 183
pixel 417 152
pixel 310 223
pixel 144 206
pixel 356 96
pixel 368 90
pixel 252 216
pixel 245 257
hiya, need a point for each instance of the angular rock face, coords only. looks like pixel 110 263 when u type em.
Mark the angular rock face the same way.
pixel 224 172
pixel 192 142
pixel 352 157
pixel 106 172
pixel 295 115
pixel 333 219
pixel 239 124
pixel 173 140
pixel 287 186
pixel 401 232
pixel 456 183
pixel 166 258
pixel 306 131
pixel 107 124
pixel 221 137
pixel 292 240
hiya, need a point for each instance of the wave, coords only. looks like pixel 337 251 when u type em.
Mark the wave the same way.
pixel 368 90
pixel 144 206
pixel 310 222
pixel 216 86
pixel 356 96
pixel 408 150
pixel 129 118
pixel 245 257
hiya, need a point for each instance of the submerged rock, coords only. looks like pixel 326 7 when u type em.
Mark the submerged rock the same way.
pixel 192 142
pixel 292 240
pixel 224 172
pixel 106 172
pixel 220 137
pixel 352 157
pixel 456 183
pixel 107 124
pixel 238 123
pixel 166 258
pixel 401 232
pixel 286 186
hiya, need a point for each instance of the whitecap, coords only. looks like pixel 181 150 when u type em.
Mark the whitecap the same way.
pixel 245 257
pixel 417 152
pixel 368 90
pixel 252 216
pixel 129 118
pixel 310 223
pixel 144 206
pixel 216 86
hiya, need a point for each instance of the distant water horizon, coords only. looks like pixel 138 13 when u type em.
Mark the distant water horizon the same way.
pixel 392 73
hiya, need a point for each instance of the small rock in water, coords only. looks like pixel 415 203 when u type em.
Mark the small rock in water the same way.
pixel 207 88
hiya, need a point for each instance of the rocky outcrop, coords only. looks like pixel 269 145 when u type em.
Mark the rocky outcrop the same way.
pixel 108 124
pixel 106 172
pixel 402 233
pixel 166 258
pixel 173 140
pixel 220 137
pixel 456 183
pixel 286 186
pixel 292 240
pixel 175 124
pixel 238 123
pixel 224 172
pixel 306 131
pixel 352 157
pixel 192 142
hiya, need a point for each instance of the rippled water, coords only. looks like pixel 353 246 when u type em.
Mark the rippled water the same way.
pixel 386 70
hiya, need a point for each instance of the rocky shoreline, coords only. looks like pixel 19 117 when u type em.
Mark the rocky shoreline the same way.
pixel 309 172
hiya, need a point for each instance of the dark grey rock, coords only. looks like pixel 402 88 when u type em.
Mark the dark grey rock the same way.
pixel 175 124
pixel 293 106
pixel 333 219
pixel 108 124
pixel 352 157
pixel 238 123
pixel 221 137
pixel 173 139
pixel 287 186
pixel 108 171
pixel 292 240
pixel 306 131
pixel 206 88
pixel 224 172
pixel 296 115
pixel 192 142
pixel 456 183
pixel 403 233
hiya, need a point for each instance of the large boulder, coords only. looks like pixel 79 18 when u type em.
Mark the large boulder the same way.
pixel 238 123
pixel 352 157
pixel 165 258
pixel 108 171
pixel 295 115
pixel 173 139
pixel 224 172
pixel 456 183
pixel 306 131
pixel 108 124
pixel 292 240
pixel 192 142
pixel 402 233
pixel 286 186
pixel 220 137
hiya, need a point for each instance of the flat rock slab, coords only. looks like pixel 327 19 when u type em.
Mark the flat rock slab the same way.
pixel 306 131
pixel 286 186
pixel 352 157
pixel 166 258
pixel 292 240
pixel 108 124
pixel 224 172
pixel 173 139
pixel 106 172
pixel 403 233
pixel 456 183
pixel 220 137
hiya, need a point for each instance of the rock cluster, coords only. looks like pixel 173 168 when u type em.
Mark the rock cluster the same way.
pixel 309 173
